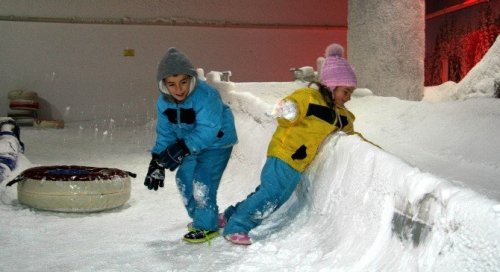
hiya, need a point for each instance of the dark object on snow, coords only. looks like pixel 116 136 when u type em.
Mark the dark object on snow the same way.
pixel 156 174
pixel 497 88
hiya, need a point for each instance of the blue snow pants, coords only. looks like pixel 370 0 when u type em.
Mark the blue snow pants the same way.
pixel 278 181
pixel 198 179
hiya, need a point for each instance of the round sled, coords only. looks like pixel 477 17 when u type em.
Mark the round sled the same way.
pixel 22 104
pixel 73 188
pixel 21 94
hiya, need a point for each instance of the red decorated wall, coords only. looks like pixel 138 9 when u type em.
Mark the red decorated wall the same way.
pixel 458 34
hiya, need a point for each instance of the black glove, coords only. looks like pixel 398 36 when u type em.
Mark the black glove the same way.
pixel 172 157
pixel 155 175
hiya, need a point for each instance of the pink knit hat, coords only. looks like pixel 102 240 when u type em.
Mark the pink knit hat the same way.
pixel 336 71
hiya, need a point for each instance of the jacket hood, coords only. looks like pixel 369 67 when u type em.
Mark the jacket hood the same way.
pixel 174 63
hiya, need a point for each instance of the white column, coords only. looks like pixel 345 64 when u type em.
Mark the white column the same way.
pixel 386 46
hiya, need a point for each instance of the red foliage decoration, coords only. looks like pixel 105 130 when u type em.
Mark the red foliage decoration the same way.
pixel 457 49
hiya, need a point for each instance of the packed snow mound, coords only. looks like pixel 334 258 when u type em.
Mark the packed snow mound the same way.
pixel 382 214
pixel 440 93
pixel 480 81
pixel 359 208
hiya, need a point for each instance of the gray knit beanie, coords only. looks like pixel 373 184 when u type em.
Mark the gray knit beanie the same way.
pixel 175 63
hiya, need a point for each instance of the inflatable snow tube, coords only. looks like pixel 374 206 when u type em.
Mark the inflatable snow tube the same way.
pixel 23 95
pixel 23 117
pixel 24 104
pixel 73 188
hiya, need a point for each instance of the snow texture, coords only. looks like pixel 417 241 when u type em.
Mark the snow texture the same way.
pixel 200 194
pixel 480 80
pixel 427 201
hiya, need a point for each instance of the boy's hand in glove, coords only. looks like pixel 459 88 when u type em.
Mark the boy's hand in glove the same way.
pixel 155 175
pixel 172 157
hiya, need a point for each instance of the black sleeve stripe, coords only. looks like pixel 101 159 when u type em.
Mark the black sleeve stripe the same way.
pixel 322 112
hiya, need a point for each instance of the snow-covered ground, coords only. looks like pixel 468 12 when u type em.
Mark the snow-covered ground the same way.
pixel 429 201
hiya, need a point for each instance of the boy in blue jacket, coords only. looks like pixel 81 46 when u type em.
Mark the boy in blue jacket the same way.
pixel 195 133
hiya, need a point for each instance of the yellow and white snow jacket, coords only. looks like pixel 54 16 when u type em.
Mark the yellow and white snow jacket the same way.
pixel 297 141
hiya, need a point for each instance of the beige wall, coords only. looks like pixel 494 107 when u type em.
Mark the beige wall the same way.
pixel 311 12
pixel 80 73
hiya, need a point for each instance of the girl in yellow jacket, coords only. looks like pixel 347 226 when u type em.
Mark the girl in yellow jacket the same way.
pixel 305 118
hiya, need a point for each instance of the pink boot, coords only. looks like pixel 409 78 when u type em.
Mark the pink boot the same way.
pixel 221 220
pixel 239 238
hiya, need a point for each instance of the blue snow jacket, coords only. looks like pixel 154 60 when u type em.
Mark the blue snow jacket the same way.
pixel 202 120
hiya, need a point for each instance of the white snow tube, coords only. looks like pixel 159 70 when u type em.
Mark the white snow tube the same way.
pixel 21 94
pixel 73 188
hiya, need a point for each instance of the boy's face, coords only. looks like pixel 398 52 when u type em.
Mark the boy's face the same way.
pixel 178 86
pixel 342 94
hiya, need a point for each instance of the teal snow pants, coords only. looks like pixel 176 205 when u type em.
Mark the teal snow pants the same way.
pixel 278 181
pixel 198 179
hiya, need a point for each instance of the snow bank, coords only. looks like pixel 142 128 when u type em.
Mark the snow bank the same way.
pixel 480 81
pixel 441 93
pixel 395 214
pixel 357 209
pixel 360 208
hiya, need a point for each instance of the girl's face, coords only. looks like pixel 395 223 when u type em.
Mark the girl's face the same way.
pixel 341 95
pixel 178 86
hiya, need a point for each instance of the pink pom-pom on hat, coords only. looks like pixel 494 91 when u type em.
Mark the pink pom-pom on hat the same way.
pixel 336 71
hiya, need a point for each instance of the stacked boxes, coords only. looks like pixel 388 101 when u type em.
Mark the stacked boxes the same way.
pixel 23 107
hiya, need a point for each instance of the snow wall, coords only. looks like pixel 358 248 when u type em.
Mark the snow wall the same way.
pixel 482 80
pixel 483 76
pixel 365 209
